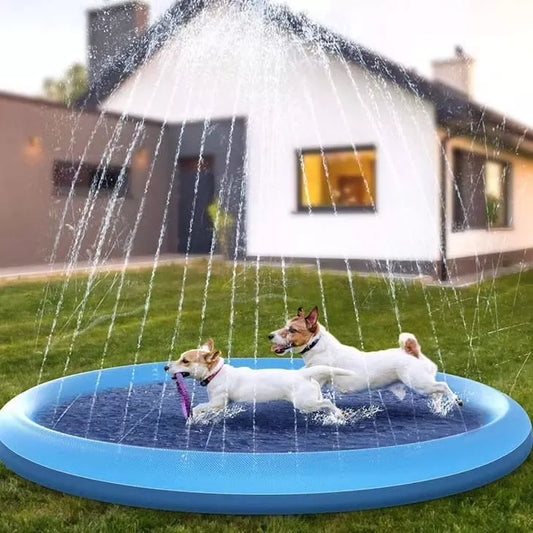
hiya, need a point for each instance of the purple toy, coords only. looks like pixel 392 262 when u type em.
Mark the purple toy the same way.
pixel 184 395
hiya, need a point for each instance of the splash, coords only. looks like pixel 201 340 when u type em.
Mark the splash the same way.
pixel 213 417
pixel 441 406
pixel 347 417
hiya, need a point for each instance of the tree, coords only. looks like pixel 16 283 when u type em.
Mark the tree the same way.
pixel 70 87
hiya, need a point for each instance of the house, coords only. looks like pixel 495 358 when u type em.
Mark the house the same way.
pixel 315 146
pixel 43 147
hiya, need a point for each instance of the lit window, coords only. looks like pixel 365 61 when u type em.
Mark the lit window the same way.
pixel 343 178
pixel 87 177
pixel 481 198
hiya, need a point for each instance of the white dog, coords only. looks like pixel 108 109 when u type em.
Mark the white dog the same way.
pixel 393 368
pixel 226 383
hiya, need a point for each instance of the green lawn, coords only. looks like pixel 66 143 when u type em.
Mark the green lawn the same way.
pixel 484 332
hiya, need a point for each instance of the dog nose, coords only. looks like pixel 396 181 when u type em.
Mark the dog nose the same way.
pixel 166 367
pixel 271 336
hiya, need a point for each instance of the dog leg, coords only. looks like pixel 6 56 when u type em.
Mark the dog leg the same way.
pixel 328 405
pixel 399 390
pixel 438 389
pixel 321 405
pixel 426 384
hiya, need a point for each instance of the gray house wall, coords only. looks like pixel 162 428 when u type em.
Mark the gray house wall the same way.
pixel 34 134
pixel 229 175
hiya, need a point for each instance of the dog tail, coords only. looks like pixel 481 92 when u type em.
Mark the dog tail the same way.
pixel 324 374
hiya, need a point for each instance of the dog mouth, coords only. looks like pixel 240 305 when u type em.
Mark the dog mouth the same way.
pixel 280 349
pixel 184 374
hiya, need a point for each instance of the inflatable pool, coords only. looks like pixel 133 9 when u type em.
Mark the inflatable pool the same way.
pixel 254 461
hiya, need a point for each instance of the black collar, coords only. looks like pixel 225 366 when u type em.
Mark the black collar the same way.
pixel 205 382
pixel 311 346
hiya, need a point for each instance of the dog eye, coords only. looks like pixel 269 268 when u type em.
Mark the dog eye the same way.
pixel 292 330
pixel 185 362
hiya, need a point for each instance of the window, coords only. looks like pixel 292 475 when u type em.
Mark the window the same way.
pixel 481 192
pixel 89 177
pixel 343 178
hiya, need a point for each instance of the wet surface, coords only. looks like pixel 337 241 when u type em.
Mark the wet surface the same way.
pixel 152 417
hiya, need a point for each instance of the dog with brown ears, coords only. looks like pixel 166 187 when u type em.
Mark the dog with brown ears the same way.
pixel 393 369
pixel 226 383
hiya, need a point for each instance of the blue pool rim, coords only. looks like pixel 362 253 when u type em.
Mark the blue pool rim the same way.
pixel 261 483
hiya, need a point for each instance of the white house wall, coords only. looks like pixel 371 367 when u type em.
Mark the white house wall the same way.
pixel 224 64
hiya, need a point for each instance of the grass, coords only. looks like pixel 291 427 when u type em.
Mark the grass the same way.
pixel 483 332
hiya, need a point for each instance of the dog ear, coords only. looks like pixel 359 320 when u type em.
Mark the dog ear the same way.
pixel 311 320
pixel 412 347
pixel 212 356
pixel 300 312
pixel 208 345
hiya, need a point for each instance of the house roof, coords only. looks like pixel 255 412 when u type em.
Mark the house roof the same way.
pixel 41 103
pixel 454 110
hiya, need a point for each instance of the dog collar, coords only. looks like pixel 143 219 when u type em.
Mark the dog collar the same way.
pixel 311 346
pixel 205 382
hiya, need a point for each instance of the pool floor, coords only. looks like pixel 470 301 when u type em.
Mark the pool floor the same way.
pixel 150 415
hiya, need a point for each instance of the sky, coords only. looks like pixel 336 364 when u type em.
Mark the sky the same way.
pixel 41 38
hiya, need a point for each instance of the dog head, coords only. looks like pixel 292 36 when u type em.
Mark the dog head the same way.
pixel 197 364
pixel 296 334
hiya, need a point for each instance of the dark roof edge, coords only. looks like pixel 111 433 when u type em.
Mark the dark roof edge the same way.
pixel 456 107
pixel 43 102
pixel 182 11
pixel 37 100
pixel 451 105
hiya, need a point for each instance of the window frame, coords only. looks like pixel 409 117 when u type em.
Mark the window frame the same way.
pixel 303 208
pixel 508 170
pixel 83 190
